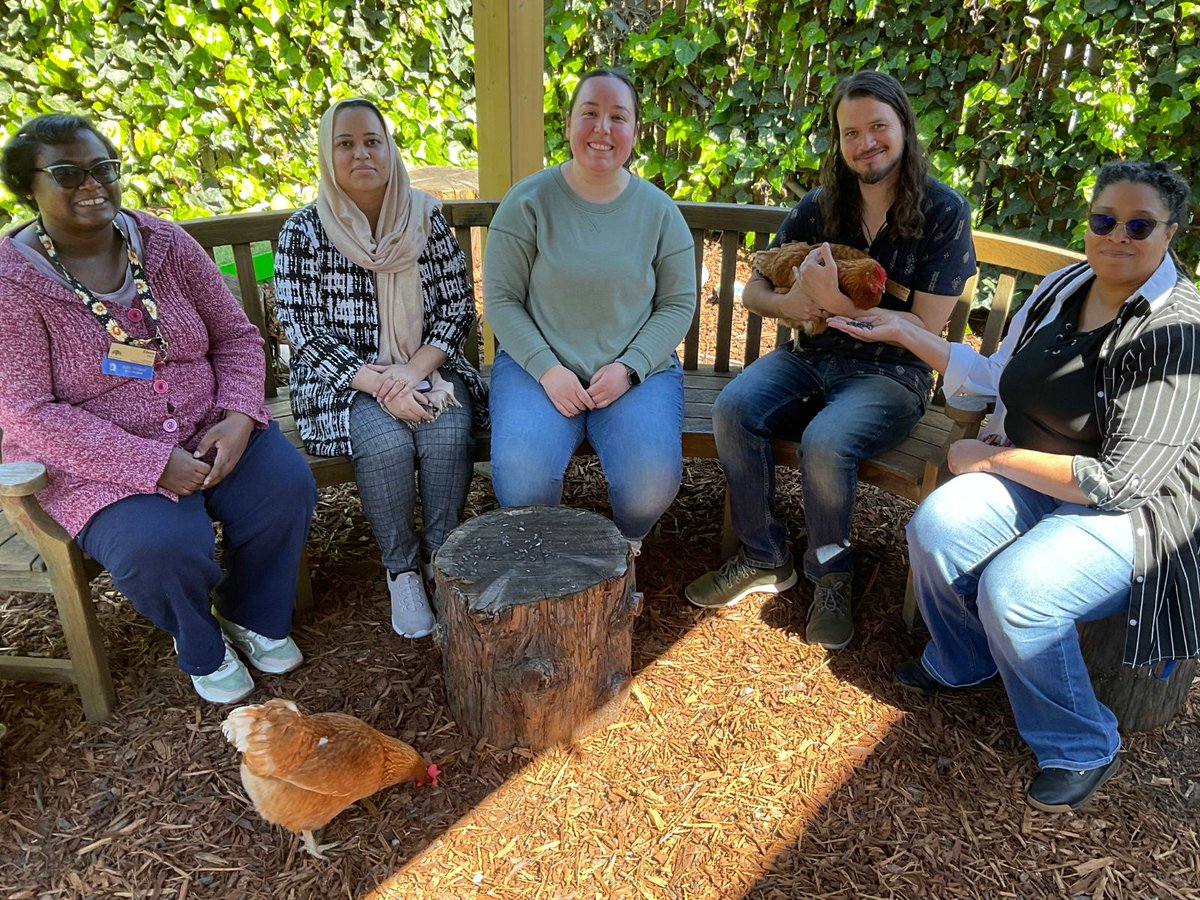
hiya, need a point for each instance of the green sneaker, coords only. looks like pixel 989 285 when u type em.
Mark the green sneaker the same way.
pixel 230 682
pixel 829 621
pixel 271 655
pixel 737 578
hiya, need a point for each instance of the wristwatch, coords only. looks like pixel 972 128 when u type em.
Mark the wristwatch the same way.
pixel 634 378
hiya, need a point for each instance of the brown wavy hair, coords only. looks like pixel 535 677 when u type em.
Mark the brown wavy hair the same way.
pixel 840 199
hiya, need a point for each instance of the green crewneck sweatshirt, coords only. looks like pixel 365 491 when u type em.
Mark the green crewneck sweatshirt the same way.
pixel 586 284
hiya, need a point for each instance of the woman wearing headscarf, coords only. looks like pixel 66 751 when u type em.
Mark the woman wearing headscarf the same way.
pixel 372 289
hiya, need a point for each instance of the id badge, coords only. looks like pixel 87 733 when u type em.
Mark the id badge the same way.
pixel 142 356
pixel 110 365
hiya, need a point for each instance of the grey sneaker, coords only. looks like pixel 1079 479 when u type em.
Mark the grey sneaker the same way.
pixel 271 655
pixel 411 615
pixel 829 621
pixel 230 682
pixel 736 579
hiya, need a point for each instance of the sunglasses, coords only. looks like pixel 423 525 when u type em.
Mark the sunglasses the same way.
pixel 1137 229
pixel 104 172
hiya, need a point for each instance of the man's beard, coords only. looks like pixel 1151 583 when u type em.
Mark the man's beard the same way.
pixel 874 176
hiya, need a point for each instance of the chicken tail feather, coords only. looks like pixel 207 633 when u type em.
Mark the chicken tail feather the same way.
pixel 273 737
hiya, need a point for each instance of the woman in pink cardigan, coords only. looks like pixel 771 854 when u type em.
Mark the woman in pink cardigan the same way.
pixel 134 376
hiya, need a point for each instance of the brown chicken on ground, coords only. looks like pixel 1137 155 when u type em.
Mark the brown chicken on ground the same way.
pixel 300 771
pixel 860 277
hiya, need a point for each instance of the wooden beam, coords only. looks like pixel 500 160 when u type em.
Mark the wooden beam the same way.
pixel 509 60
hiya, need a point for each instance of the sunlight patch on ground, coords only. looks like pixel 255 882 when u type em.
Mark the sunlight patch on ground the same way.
pixel 761 739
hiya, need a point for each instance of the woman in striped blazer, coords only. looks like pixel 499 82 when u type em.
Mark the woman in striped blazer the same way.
pixel 1079 499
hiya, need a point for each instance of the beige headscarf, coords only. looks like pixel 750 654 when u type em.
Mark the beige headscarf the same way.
pixel 391 253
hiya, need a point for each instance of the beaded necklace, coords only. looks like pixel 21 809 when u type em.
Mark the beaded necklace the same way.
pixel 158 342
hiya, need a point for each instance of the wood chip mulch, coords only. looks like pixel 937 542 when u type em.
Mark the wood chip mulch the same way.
pixel 745 764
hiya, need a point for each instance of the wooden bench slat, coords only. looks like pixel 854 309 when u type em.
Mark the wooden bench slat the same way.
pixel 730 243
pixel 753 320
pixel 19 559
pixel 691 341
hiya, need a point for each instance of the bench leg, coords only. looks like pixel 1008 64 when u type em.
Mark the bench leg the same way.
pixel 912 618
pixel 729 538
pixel 304 594
pixel 85 643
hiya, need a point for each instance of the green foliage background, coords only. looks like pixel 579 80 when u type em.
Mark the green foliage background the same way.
pixel 1018 100
pixel 216 104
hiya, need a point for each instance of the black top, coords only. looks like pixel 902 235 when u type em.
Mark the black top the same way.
pixel 938 262
pixel 1147 395
pixel 1047 387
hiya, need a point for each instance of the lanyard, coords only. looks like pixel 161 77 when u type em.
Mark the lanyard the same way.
pixel 96 306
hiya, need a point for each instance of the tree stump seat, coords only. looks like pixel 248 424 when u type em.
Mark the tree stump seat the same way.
pixel 537 605
pixel 1142 699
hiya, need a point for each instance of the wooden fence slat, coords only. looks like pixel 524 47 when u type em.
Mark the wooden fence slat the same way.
pixel 691 342
pixel 730 241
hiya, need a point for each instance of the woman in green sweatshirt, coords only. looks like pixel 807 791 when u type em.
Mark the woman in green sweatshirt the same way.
pixel 590 285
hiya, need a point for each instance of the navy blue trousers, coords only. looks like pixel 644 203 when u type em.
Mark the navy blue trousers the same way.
pixel 162 554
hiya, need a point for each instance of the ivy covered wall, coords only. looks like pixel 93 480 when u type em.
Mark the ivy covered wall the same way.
pixel 1018 100
pixel 216 104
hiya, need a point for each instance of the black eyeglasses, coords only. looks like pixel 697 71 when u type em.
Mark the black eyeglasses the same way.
pixel 105 172
pixel 1137 229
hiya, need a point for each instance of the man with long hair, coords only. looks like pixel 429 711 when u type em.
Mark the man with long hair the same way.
pixel 843 399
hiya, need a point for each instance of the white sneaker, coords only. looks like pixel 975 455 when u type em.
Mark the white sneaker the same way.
pixel 271 655
pixel 411 615
pixel 427 570
pixel 230 683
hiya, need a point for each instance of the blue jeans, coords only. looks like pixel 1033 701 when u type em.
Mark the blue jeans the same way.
pixel 842 411
pixel 162 556
pixel 638 439
pixel 393 461
pixel 1002 574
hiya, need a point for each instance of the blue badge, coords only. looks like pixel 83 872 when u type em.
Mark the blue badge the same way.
pixel 122 369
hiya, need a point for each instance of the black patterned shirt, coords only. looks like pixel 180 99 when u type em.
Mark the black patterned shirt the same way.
pixel 938 262
pixel 328 307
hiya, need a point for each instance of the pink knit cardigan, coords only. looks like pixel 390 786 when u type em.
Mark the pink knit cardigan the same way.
pixel 102 438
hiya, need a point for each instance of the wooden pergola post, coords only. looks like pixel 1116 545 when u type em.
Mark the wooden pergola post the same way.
pixel 509 60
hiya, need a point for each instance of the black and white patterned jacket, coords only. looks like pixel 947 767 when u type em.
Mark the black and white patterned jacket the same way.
pixel 328 307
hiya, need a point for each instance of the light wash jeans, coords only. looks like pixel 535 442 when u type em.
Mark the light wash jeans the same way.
pixel 1002 574
pixel 638 439
pixel 842 411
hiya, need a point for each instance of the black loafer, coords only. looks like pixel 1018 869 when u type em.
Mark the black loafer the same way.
pixel 913 676
pixel 1064 790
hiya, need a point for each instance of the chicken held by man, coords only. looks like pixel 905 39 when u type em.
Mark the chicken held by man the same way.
pixel 860 277
pixel 300 770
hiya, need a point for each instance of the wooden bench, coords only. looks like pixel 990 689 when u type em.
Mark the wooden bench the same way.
pixel 39 557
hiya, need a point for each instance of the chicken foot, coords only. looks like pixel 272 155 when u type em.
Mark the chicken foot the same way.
pixel 314 849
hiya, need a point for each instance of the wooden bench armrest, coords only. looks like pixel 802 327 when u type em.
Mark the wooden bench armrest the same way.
pixel 966 414
pixel 21 479
pixel 18 484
